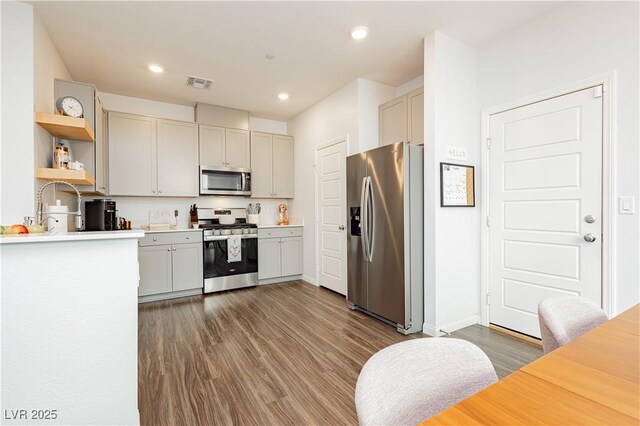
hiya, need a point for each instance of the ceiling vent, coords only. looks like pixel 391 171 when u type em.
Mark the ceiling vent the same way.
pixel 198 82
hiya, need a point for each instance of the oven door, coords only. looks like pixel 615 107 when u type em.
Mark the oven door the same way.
pixel 224 181
pixel 220 274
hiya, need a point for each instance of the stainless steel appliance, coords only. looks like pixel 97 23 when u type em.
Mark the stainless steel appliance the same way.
pixel 385 239
pixel 224 181
pixel 100 215
pixel 219 272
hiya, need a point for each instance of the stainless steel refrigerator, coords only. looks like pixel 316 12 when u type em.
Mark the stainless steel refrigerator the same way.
pixel 385 240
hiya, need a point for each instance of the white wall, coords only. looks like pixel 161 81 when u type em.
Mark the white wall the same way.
pixel 128 104
pixel 452 278
pixel 575 42
pixel 370 96
pixel 17 148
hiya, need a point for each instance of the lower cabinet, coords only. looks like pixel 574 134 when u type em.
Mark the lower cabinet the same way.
pixel 170 265
pixel 279 252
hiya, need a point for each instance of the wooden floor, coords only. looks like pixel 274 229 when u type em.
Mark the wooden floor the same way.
pixel 277 354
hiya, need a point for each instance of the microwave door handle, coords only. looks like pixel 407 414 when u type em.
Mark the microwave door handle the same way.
pixel 243 181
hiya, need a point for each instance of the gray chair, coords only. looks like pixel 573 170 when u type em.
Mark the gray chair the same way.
pixel 565 318
pixel 411 381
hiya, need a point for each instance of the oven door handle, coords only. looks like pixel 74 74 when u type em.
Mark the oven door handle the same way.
pixel 226 237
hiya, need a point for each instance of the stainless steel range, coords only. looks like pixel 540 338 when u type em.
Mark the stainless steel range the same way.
pixel 230 250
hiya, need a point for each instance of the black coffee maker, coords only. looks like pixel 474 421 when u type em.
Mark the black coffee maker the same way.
pixel 100 215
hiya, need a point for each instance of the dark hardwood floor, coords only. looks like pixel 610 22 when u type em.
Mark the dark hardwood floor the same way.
pixel 278 354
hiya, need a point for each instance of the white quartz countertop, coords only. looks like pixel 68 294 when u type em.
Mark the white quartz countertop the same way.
pixel 291 225
pixel 70 236
pixel 162 231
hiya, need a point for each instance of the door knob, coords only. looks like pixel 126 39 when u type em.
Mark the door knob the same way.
pixel 341 227
pixel 589 237
pixel 590 218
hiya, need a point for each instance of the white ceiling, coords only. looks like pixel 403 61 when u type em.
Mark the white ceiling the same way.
pixel 110 44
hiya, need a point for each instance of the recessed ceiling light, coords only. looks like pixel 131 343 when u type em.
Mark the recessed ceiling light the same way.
pixel 283 96
pixel 358 33
pixel 156 68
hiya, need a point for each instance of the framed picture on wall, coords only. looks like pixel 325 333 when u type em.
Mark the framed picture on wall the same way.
pixel 457 185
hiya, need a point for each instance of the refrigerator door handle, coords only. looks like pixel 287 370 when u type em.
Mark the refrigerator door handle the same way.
pixel 363 218
pixel 371 220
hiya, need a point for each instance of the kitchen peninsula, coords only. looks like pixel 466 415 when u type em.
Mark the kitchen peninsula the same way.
pixel 70 316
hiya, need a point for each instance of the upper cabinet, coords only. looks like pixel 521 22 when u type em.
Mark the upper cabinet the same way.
pixel 152 157
pixel 402 119
pixel 220 147
pixel 271 165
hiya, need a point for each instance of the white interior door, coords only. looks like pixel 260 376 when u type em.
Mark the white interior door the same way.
pixel 545 203
pixel 331 202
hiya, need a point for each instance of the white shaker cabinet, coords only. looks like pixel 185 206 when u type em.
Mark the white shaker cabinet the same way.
pixel 155 270
pixel 279 253
pixel 101 151
pixel 177 159
pixel 220 147
pixel 187 266
pixel 132 155
pixel 271 165
pixel 152 157
pixel 402 119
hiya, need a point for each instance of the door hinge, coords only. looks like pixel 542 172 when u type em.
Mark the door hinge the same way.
pixel 488 143
pixel 488 223
pixel 597 92
pixel 488 298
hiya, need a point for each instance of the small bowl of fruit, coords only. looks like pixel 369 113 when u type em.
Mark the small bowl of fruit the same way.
pixel 21 229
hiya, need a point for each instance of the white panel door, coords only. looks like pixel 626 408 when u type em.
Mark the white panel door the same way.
pixel 237 148
pixel 155 270
pixel 331 202
pixel 177 159
pixel 282 166
pixel 187 266
pixel 212 146
pixel 545 180
pixel 132 155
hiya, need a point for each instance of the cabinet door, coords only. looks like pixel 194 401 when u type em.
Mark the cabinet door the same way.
pixel 155 270
pixel 261 166
pixel 415 104
pixel 237 148
pixel 212 146
pixel 393 121
pixel 132 154
pixel 187 266
pixel 101 152
pixel 177 159
pixel 269 258
pixel 291 256
pixel 282 166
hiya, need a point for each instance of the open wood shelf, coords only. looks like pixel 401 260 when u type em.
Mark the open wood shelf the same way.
pixel 61 126
pixel 76 177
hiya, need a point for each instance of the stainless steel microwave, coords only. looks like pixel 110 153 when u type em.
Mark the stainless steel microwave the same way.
pixel 224 181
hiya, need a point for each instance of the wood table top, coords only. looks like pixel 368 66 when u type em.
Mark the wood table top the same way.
pixel 594 379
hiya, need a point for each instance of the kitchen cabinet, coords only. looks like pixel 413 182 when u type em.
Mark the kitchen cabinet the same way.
pixel 92 155
pixel 170 265
pixel 152 157
pixel 220 147
pixel 271 165
pixel 279 253
pixel 402 119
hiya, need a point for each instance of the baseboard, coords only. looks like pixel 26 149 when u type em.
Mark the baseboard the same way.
pixel 278 280
pixel 310 280
pixel 432 330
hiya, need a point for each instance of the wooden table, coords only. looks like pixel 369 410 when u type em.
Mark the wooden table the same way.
pixel 595 379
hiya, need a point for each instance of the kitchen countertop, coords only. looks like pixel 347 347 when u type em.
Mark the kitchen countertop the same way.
pixel 162 231
pixel 291 225
pixel 70 236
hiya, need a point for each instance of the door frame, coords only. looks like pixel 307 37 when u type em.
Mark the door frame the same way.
pixel 608 81
pixel 344 139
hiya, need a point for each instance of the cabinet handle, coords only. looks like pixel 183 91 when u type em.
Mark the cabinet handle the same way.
pixel 153 191
pixel 187 238
pixel 159 192
pixel 174 249
pixel 155 239
pixel 169 250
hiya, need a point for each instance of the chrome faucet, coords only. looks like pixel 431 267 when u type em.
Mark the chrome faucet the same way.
pixel 78 213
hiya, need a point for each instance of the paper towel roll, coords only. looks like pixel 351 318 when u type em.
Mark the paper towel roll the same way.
pixel 57 212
